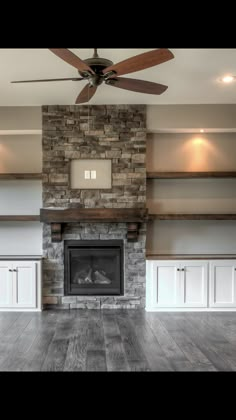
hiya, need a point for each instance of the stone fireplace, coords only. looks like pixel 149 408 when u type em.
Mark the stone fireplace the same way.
pixel 94 268
pixel 94 263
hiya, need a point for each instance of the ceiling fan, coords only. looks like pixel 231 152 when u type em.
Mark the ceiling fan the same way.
pixel 97 70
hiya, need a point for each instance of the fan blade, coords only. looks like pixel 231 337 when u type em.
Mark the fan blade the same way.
pixel 141 62
pixel 137 85
pixel 73 79
pixel 86 94
pixel 71 59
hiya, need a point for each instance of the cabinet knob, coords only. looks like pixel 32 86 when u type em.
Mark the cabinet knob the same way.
pixel 178 269
pixel 183 269
pixel 10 270
pixel 15 270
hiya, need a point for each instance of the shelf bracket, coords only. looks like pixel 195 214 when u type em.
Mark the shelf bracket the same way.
pixel 132 231
pixel 56 232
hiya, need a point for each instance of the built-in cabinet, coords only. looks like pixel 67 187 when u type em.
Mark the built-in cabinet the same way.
pixel 20 285
pixel 191 284
pixel 222 284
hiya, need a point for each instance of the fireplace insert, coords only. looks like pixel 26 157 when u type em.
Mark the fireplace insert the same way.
pixel 94 267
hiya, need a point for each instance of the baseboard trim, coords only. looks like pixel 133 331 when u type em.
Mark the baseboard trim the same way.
pixel 19 310
pixel 190 309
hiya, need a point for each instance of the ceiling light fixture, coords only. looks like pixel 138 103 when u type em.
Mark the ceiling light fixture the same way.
pixel 228 79
pixel 201 131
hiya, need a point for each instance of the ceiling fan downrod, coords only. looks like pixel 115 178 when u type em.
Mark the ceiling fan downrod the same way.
pixel 95 54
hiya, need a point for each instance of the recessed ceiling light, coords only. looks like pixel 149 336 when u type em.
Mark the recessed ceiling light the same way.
pixel 201 131
pixel 228 79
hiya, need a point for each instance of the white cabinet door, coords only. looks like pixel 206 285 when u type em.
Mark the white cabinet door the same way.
pixel 223 284
pixel 194 275
pixel 6 290
pixel 24 284
pixel 165 284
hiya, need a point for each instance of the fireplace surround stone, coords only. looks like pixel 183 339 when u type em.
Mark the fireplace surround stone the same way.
pixel 115 132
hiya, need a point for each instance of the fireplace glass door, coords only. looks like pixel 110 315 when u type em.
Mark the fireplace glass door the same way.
pixel 94 267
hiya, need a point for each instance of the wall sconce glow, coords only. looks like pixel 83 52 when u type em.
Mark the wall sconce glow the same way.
pixel 228 79
pixel 197 141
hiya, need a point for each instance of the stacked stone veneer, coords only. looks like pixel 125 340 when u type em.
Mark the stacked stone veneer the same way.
pixel 116 132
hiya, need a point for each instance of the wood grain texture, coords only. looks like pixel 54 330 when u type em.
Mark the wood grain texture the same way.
pixel 189 216
pixel 187 175
pixel 137 85
pixel 22 176
pixel 86 94
pixel 72 59
pixel 152 256
pixel 92 215
pixel 141 61
pixel 115 352
pixel 20 218
pixel 117 340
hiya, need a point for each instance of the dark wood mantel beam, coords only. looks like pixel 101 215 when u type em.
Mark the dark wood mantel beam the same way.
pixel 58 217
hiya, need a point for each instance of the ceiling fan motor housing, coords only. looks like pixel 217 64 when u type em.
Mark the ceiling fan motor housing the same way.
pixel 97 64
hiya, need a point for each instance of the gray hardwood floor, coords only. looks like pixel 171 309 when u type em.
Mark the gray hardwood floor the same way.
pixel 117 341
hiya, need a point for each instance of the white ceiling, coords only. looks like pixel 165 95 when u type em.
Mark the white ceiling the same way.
pixel 192 77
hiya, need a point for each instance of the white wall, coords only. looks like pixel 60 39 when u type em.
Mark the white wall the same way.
pixel 20 238
pixel 20 197
pixel 191 237
pixel 20 153
pixel 191 152
pixel 192 195
pixel 172 117
pixel 20 118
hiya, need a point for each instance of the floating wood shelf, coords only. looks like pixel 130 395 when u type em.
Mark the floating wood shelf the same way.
pixel 20 218
pixel 20 176
pixel 150 256
pixel 186 175
pixel 182 216
pixel 133 218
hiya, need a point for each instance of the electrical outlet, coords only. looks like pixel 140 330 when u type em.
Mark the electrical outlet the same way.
pixel 93 174
pixel 87 175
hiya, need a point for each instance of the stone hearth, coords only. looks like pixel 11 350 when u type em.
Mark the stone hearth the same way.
pixel 115 132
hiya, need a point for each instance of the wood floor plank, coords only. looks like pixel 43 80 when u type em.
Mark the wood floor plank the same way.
pixel 7 319
pixel 117 340
pixel 188 347
pixel 204 342
pixel 56 355
pixel 165 340
pixel 193 367
pixel 17 327
pixel 77 348
pixel 38 352
pixel 133 351
pixel 96 354
pixel 115 353
pixel 153 352
pixel 96 361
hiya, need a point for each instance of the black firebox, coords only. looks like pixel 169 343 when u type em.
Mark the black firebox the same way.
pixel 94 267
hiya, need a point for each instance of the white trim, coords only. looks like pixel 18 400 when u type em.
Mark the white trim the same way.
pixel 19 310
pixel 190 309
pixel 20 132
pixel 190 130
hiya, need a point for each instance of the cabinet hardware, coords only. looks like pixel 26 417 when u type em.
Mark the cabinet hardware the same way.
pixel 10 270
pixel 15 270
pixel 183 269
pixel 178 269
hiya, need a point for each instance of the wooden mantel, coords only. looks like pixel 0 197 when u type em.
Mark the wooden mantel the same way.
pixel 57 217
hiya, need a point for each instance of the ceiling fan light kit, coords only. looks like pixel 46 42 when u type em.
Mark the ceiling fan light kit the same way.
pixel 97 70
